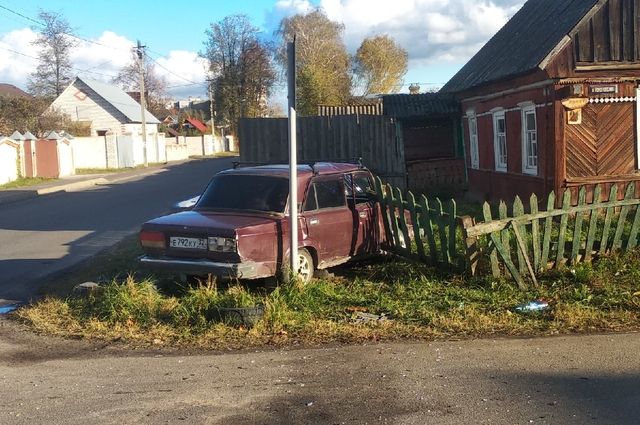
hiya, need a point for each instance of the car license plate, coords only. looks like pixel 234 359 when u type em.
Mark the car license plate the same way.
pixel 188 243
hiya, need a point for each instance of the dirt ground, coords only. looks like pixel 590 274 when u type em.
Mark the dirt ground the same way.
pixel 557 380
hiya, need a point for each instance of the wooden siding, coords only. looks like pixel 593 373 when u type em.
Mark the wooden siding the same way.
pixel 604 144
pixel 430 176
pixel 485 182
pixel 373 138
pixel 610 34
pixel 428 138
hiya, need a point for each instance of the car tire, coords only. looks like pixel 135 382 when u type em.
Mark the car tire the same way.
pixel 305 266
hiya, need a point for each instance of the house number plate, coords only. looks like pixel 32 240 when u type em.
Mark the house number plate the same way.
pixel 188 243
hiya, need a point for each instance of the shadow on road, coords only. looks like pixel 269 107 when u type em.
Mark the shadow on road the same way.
pixel 51 233
pixel 577 399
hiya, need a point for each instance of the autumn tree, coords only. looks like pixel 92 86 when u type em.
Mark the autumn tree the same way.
pixel 241 69
pixel 53 73
pixel 35 115
pixel 379 66
pixel 323 64
pixel 155 86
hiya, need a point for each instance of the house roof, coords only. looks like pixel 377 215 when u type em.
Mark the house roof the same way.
pixel 522 43
pixel 119 99
pixel 197 124
pixel 415 105
pixel 13 91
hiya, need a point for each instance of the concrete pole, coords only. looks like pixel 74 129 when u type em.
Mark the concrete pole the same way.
pixel 143 107
pixel 293 156
pixel 213 131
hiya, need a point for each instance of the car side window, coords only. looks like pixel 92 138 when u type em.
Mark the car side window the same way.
pixel 359 186
pixel 325 194
pixel 311 203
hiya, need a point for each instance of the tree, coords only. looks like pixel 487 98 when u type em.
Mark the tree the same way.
pixel 34 115
pixel 379 65
pixel 155 86
pixel 323 63
pixel 242 69
pixel 53 73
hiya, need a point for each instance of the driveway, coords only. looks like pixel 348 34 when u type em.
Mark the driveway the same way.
pixel 47 234
pixel 558 380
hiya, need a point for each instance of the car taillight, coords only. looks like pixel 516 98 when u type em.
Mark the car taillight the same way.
pixel 152 240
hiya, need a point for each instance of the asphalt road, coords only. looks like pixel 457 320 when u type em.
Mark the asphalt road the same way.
pixel 51 233
pixel 557 380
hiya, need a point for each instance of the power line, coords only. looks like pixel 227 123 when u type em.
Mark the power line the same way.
pixel 86 40
pixel 37 22
pixel 171 72
pixel 64 66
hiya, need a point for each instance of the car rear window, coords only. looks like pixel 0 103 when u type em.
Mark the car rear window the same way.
pixel 246 192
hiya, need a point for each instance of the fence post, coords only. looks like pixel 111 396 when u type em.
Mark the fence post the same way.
pixel 472 253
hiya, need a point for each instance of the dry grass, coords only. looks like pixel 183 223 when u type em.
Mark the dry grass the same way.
pixel 416 301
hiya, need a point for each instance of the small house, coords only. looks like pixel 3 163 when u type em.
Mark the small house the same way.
pixel 551 101
pixel 106 108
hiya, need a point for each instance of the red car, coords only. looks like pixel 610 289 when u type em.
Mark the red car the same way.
pixel 238 228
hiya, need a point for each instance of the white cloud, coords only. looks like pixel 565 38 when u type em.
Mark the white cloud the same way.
pixel 432 31
pixel 181 69
pixel 99 59
pixel 16 56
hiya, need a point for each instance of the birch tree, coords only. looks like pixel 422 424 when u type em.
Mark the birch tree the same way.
pixel 379 66
pixel 323 64
pixel 55 40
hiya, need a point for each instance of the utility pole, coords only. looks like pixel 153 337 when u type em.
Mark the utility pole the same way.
pixel 213 131
pixel 143 106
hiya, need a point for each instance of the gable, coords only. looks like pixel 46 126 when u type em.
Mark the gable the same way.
pixel 523 42
pixel 610 34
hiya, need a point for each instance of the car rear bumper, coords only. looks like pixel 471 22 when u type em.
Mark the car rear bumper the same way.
pixel 245 270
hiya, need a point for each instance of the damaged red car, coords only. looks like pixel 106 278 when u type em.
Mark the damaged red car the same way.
pixel 238 228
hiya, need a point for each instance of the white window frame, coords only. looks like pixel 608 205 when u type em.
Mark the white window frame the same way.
pixel 474 153
pixel 500 165
pixel 529 159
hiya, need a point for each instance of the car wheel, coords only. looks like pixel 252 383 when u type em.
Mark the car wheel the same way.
pixel 305 265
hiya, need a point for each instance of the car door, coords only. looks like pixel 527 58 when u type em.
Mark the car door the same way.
pixel 360 195
pixel 328 219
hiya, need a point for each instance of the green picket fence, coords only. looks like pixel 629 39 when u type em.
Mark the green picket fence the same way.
pixel 419 228
pixel 525 244
pixel 510 240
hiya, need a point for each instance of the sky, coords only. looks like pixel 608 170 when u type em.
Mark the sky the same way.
pixel 439 35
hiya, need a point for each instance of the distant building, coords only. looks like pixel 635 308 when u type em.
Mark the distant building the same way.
pixel 9 90
pixel 107 108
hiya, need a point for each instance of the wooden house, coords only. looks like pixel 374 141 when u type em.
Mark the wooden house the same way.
pixel 551 101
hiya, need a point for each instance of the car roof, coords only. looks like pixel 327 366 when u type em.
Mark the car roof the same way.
pixel 282 170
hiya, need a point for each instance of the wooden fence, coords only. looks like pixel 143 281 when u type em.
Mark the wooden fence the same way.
pixel 522 244
pixel 420 229
pixel 375 139
pixel 543 240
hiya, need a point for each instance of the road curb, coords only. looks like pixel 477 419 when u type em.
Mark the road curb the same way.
pixel 70 187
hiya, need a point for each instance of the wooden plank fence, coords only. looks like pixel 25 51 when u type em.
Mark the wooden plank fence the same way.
pixel 510 241
pixel 555 237
pixel 373 138
pixel 420 229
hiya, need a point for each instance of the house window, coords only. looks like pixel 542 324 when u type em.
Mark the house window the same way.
pixel 529 141
pixel 473 142
pixel 82 113
pixel 500 141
